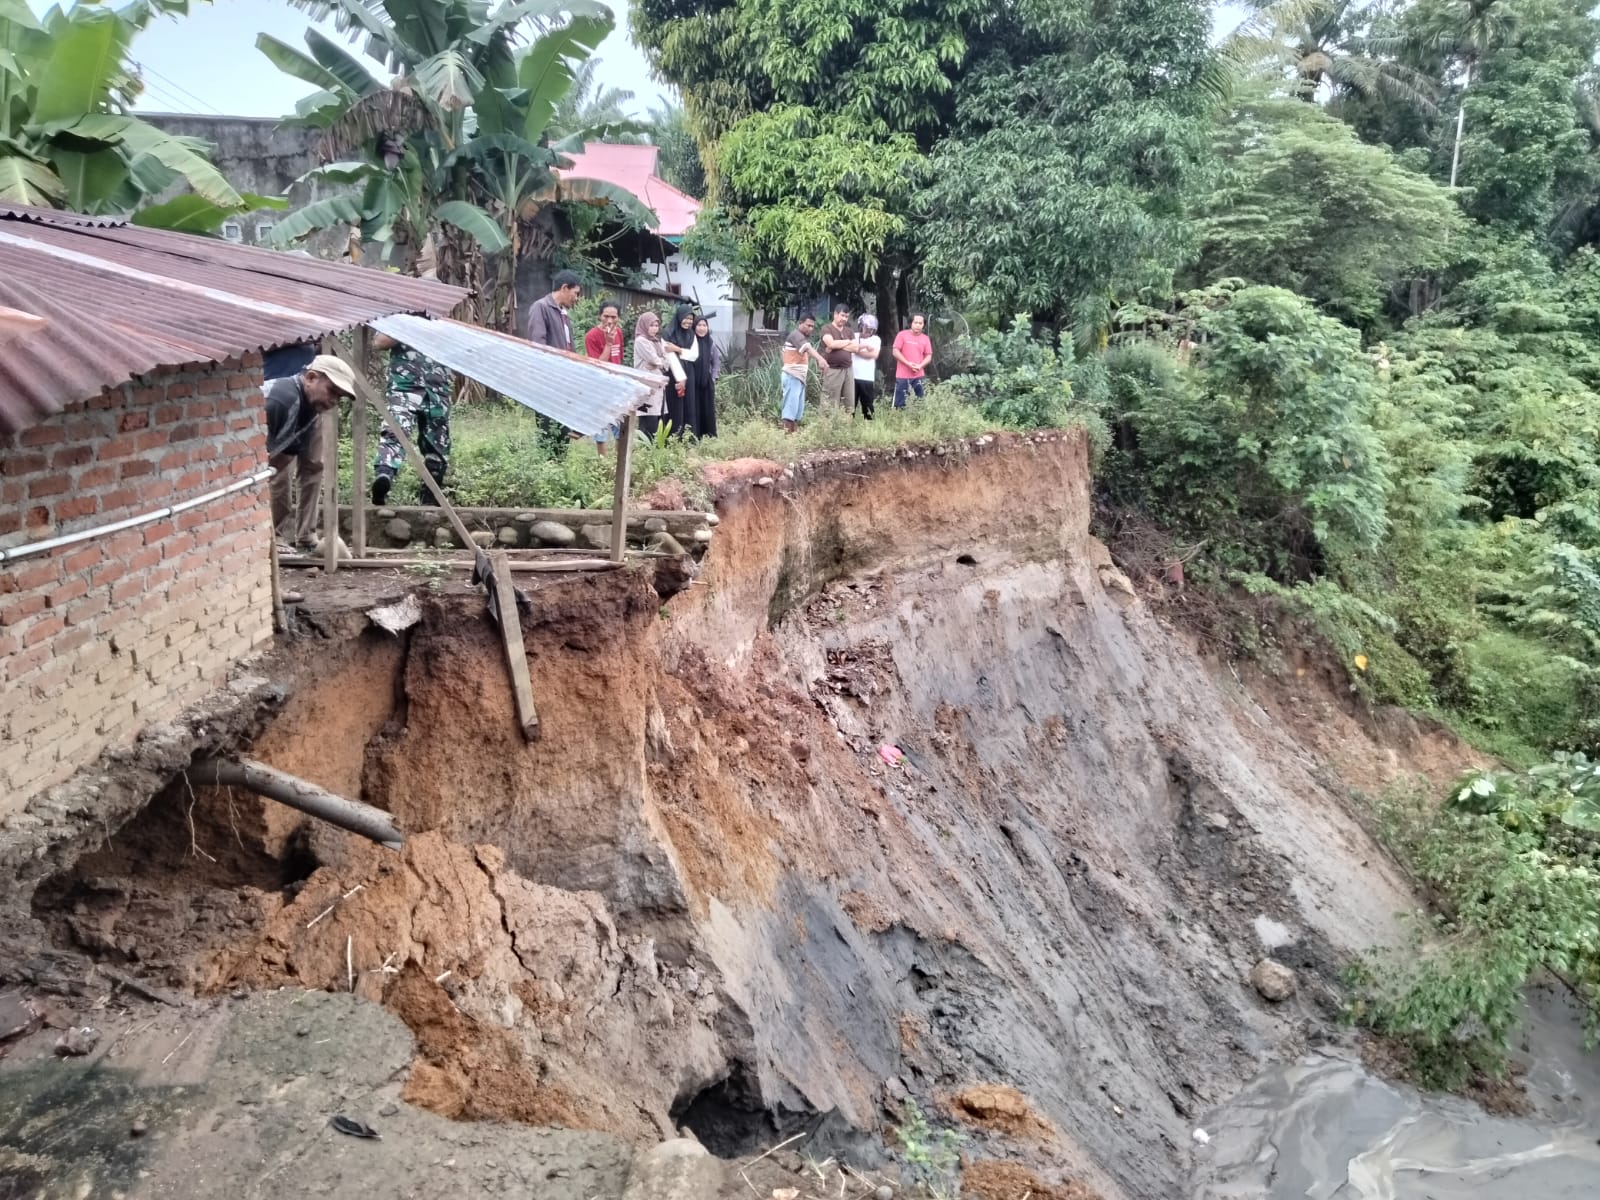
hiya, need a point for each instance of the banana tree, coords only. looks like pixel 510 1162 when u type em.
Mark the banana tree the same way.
pixel 441 159
pixel 67 139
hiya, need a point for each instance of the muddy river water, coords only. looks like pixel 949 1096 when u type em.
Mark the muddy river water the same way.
pixel 1325 1128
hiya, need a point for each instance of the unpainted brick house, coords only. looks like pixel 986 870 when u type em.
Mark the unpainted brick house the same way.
pixel 135 531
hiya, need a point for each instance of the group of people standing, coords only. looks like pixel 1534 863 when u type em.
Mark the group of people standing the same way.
pixel 692 362
pixel 848 360
pixel 420 389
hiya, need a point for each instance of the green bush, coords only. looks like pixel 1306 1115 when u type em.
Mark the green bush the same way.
pixel 1513 861
pixel 1018 381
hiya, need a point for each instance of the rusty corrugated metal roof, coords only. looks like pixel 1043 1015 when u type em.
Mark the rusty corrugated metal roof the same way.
pixel 584 395
pixel 120 301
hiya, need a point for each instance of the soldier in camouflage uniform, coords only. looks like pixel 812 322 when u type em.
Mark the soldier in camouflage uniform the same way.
pixel 418 397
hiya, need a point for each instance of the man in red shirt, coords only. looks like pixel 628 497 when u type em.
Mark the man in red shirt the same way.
pixel 604 343
pixel 913 351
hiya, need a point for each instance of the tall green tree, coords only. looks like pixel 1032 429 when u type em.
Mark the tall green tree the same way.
pixel 1525 151
pixel 807 200
pixel 1302 204
pixel 1079 141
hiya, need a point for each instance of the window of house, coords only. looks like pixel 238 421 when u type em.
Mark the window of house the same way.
pixel 675 288
pixel 263 232
pixel 233 231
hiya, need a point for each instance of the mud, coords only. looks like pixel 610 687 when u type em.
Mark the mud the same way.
pixel 233 1101
pixel 704 898
pixel 1325 1126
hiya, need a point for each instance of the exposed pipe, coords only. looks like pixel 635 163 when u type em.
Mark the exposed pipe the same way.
pixel 86 535
pixel 299 793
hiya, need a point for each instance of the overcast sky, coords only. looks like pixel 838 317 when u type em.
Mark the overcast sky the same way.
pixel 207 62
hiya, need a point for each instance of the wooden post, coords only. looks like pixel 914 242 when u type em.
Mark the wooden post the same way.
pixel 413 456
pixel 358 449
pixel 330 489
pixel 505 598
pixel 619 495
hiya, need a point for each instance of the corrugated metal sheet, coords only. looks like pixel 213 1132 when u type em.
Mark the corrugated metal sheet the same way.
pixel 584 395
pixel 121 301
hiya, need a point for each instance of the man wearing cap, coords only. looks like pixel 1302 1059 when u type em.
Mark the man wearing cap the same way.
pixel 294 439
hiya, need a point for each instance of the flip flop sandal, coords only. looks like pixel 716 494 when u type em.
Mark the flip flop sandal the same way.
pixel 352 1128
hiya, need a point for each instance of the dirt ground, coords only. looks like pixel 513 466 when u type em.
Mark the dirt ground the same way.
pixel 903 799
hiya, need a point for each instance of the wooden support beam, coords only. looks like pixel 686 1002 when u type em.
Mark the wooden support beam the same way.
pixel 549 566
pixel 358 450
pixel 619 496
pixel 413 455
pixel 328 431
pixel 505 598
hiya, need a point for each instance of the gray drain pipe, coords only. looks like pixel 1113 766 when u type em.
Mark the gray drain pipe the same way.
pixel 299 793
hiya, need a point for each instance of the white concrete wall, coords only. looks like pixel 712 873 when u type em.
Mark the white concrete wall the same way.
pixel 710 288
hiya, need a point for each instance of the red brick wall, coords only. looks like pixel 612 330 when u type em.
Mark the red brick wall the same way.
pixel 101 638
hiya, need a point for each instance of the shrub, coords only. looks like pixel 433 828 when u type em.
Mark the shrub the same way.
pixel 1514 865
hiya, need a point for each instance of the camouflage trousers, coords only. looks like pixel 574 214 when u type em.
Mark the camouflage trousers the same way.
pixel 428 424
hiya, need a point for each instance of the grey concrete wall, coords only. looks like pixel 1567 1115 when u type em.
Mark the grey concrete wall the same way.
pixel 256 154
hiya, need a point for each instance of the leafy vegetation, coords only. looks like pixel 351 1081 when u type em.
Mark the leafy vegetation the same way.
pixel 451 165
pixel 1513 862
pixel 67 136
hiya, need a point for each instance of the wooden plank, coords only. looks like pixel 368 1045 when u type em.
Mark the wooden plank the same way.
pixel 413 455
pixel 358 449
pixel 505 596
pixel 551 566
pixel 328 430
pixel 619 497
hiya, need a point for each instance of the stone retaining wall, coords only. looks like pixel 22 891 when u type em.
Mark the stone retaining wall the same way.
pixel 671 532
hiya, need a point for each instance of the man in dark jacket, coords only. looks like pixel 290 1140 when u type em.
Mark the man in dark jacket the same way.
pixel 548 320
pixel 294 441
pixel 549 324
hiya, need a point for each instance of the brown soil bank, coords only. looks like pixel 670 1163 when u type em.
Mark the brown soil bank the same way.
pixel 705 897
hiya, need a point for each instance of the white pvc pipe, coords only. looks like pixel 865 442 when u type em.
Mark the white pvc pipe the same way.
pixel 86 535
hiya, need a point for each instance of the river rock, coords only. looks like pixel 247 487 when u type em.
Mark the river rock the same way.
pixel 552 533
pixel 596 537
pixel 508 535
pixel 398 530
pixel 1273 980
pixel 665 543
pixel 482 537
pixel 443 537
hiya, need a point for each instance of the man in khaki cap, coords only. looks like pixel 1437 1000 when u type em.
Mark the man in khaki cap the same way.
pixel 294 437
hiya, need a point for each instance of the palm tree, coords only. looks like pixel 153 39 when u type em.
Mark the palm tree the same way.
pixel 679 161
pixel 590 105
pixel 1321 46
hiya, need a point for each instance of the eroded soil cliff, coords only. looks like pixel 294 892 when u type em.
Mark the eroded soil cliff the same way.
pixel 705 897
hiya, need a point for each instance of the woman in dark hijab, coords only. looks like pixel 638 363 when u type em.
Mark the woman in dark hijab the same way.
pixel 703 373
pixel 681 341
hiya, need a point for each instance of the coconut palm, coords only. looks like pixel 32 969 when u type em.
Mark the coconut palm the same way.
pixel 590 105
pixel 1323 48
